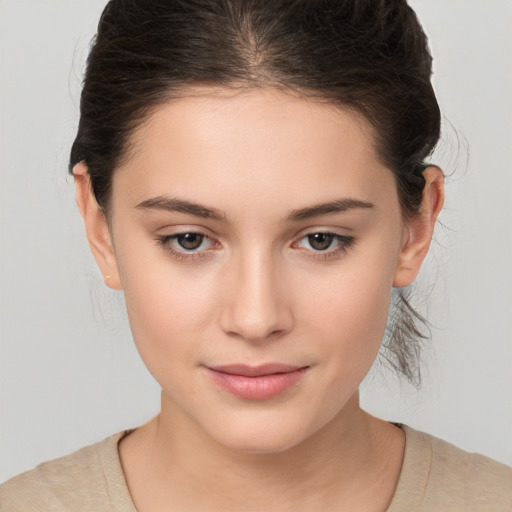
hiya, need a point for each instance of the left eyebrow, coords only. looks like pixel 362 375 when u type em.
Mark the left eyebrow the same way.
pixel 339 206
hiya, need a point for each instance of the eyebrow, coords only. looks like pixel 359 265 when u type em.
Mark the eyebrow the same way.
pixel 339 206
pixel 182 206
pixel 205 212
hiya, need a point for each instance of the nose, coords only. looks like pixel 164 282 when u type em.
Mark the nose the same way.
pixel 257 308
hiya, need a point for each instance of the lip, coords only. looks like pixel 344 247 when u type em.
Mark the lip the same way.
pixel 256 382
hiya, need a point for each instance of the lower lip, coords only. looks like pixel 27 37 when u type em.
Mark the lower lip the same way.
pixel 257 388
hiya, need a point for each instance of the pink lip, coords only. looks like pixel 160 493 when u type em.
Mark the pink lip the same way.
pixel 256 382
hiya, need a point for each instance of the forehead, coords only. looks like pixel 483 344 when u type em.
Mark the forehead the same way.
pixel 257 144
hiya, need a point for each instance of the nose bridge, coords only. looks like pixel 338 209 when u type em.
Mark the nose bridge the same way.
pixel 257 307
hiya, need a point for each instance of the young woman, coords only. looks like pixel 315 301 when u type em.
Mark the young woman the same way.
pixel 252 175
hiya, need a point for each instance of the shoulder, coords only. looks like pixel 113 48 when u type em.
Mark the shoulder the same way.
pixel 88 479
pixel 437 475
pixel 479 476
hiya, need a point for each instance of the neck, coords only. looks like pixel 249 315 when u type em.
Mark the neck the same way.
pixel 341 464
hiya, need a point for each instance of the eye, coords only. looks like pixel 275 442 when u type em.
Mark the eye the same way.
pixel 186 245
pixel 190 241
pixel 325 244
pixel 321 241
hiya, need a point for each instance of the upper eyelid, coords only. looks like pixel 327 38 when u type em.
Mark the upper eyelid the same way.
pixel 170 232
pixel 337 236
pixel 333 230
pixel 338 232
pixel 182 229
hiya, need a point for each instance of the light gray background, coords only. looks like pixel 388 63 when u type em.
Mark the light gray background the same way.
pixel 69 372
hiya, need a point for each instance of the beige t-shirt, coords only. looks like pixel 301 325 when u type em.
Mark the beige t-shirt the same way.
pixel 435 477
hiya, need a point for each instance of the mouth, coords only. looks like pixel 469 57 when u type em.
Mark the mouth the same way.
pixel 256 382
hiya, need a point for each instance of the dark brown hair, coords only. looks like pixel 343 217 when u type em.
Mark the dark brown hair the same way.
pixel 370 56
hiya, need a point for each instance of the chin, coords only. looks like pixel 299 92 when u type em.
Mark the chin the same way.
pixel 261 443
pixel 261 434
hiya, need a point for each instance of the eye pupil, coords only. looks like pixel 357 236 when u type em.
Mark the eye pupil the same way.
pixel 320 241
pixel 190 241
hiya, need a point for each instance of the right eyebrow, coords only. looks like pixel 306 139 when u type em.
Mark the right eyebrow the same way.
pixel 175 204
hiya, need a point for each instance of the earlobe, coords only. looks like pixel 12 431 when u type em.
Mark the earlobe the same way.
pixel 96 227
pixel 419 229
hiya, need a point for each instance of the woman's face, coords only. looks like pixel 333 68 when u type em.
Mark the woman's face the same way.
pixel 257 238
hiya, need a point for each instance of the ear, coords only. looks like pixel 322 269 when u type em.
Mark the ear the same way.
pixel 96 227
pixel 419 229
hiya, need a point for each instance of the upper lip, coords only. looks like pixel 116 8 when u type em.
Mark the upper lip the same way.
pixel 256 371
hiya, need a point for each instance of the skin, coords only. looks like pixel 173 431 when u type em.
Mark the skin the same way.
pixel 256 292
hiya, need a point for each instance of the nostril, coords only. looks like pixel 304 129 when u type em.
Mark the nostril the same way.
pixel 256 336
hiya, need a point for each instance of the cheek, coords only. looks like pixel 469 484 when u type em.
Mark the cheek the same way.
pixel 356 316
pixel 349 315
pixel 168 307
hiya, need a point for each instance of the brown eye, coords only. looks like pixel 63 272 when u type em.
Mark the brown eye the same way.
pixel 320 241
pixel 187 246
pixel 190 241
pixel 324 245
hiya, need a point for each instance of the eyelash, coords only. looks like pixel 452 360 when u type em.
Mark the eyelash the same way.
pixel 182 255
pixel 344 243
